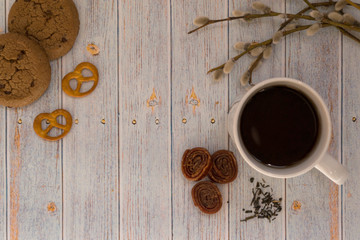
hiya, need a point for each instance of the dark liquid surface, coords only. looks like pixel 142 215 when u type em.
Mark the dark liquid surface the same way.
pixel 279 126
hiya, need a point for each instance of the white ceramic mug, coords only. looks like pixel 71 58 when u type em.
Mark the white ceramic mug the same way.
pixel 318 157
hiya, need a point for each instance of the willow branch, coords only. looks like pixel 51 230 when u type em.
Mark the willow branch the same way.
pixel 266 43
pixel 353 4
pixel 246 17
pixel 320 4
pixel 271 14
pixel 335 24
pixel 253 66
pixel 309 4
pixel 349 35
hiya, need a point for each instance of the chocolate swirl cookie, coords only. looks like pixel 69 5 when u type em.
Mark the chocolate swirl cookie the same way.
pixel 196 163
pixel 207 197
pixel 225 168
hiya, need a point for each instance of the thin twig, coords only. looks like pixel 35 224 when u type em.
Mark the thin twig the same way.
pixel 291 16
pixel 309 4
pixel 353 4
pixel 321 4
pixel 349 35
pixel 342 30
pixel 247 17
pixel 253 65
pixel 266 43
pixel 349 27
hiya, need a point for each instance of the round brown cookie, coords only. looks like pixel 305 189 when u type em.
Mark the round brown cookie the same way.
pixel 196 163
pixel 53 23
pixel 207 197
pixel 25 71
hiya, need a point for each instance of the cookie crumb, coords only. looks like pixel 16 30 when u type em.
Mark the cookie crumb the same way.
pixel 93 49
pixel 296 205
pixel 51 207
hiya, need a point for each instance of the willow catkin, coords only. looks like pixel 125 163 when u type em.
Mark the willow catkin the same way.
pixel 340 5
pixel 349 19
pixel 200 21
pixel 240 46
pixel 245 78
pixel 336 17
pixel 238 13
pixel 229 65
pixel 218 74
pixel 311 31
pixel 290 27
pixel 259 6
pixel 277 37
pixel 268 52
pixel 282 16
pixel 317 15
pixel 257 51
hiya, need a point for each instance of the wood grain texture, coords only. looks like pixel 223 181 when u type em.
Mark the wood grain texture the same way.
pixel 144 65
pixel 90 151
pixel 3 197
pixel 240 191
pixel 351 136
pixel 198 99
pixel 34 169
pixel 316 61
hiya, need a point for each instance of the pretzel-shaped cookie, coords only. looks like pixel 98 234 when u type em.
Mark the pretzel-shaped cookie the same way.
pixel 51 117
pixel 77 75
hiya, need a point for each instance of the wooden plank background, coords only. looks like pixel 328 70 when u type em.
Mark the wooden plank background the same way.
pixel 121 179
pixel 90 173
pixel 316 61
pixel 351 139
pixel 34 190
pixel 3 197
pixel 144 104
pixel 240 191
pixel 208 101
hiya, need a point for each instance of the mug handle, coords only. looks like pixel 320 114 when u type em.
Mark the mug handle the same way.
pixel 332 169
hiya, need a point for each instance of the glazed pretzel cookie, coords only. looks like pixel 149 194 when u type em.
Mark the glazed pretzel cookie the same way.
pixel 207 197
pixel 196 163
pixel 51 117
pixel 224 169
pixel 77 75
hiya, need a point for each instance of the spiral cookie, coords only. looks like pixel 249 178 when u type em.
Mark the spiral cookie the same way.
pixel 25 71
pixel 207 197
pixel 53 23
pixel 196 163
pixel 224 169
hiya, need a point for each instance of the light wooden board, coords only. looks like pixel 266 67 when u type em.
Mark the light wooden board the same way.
pixel 351 136
pixel 2 146
pixel 34 169
pixel 90 151
pixel 145 147
pixel 316 61
pixel 192 56
pixel 240 191
pixel 121 180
